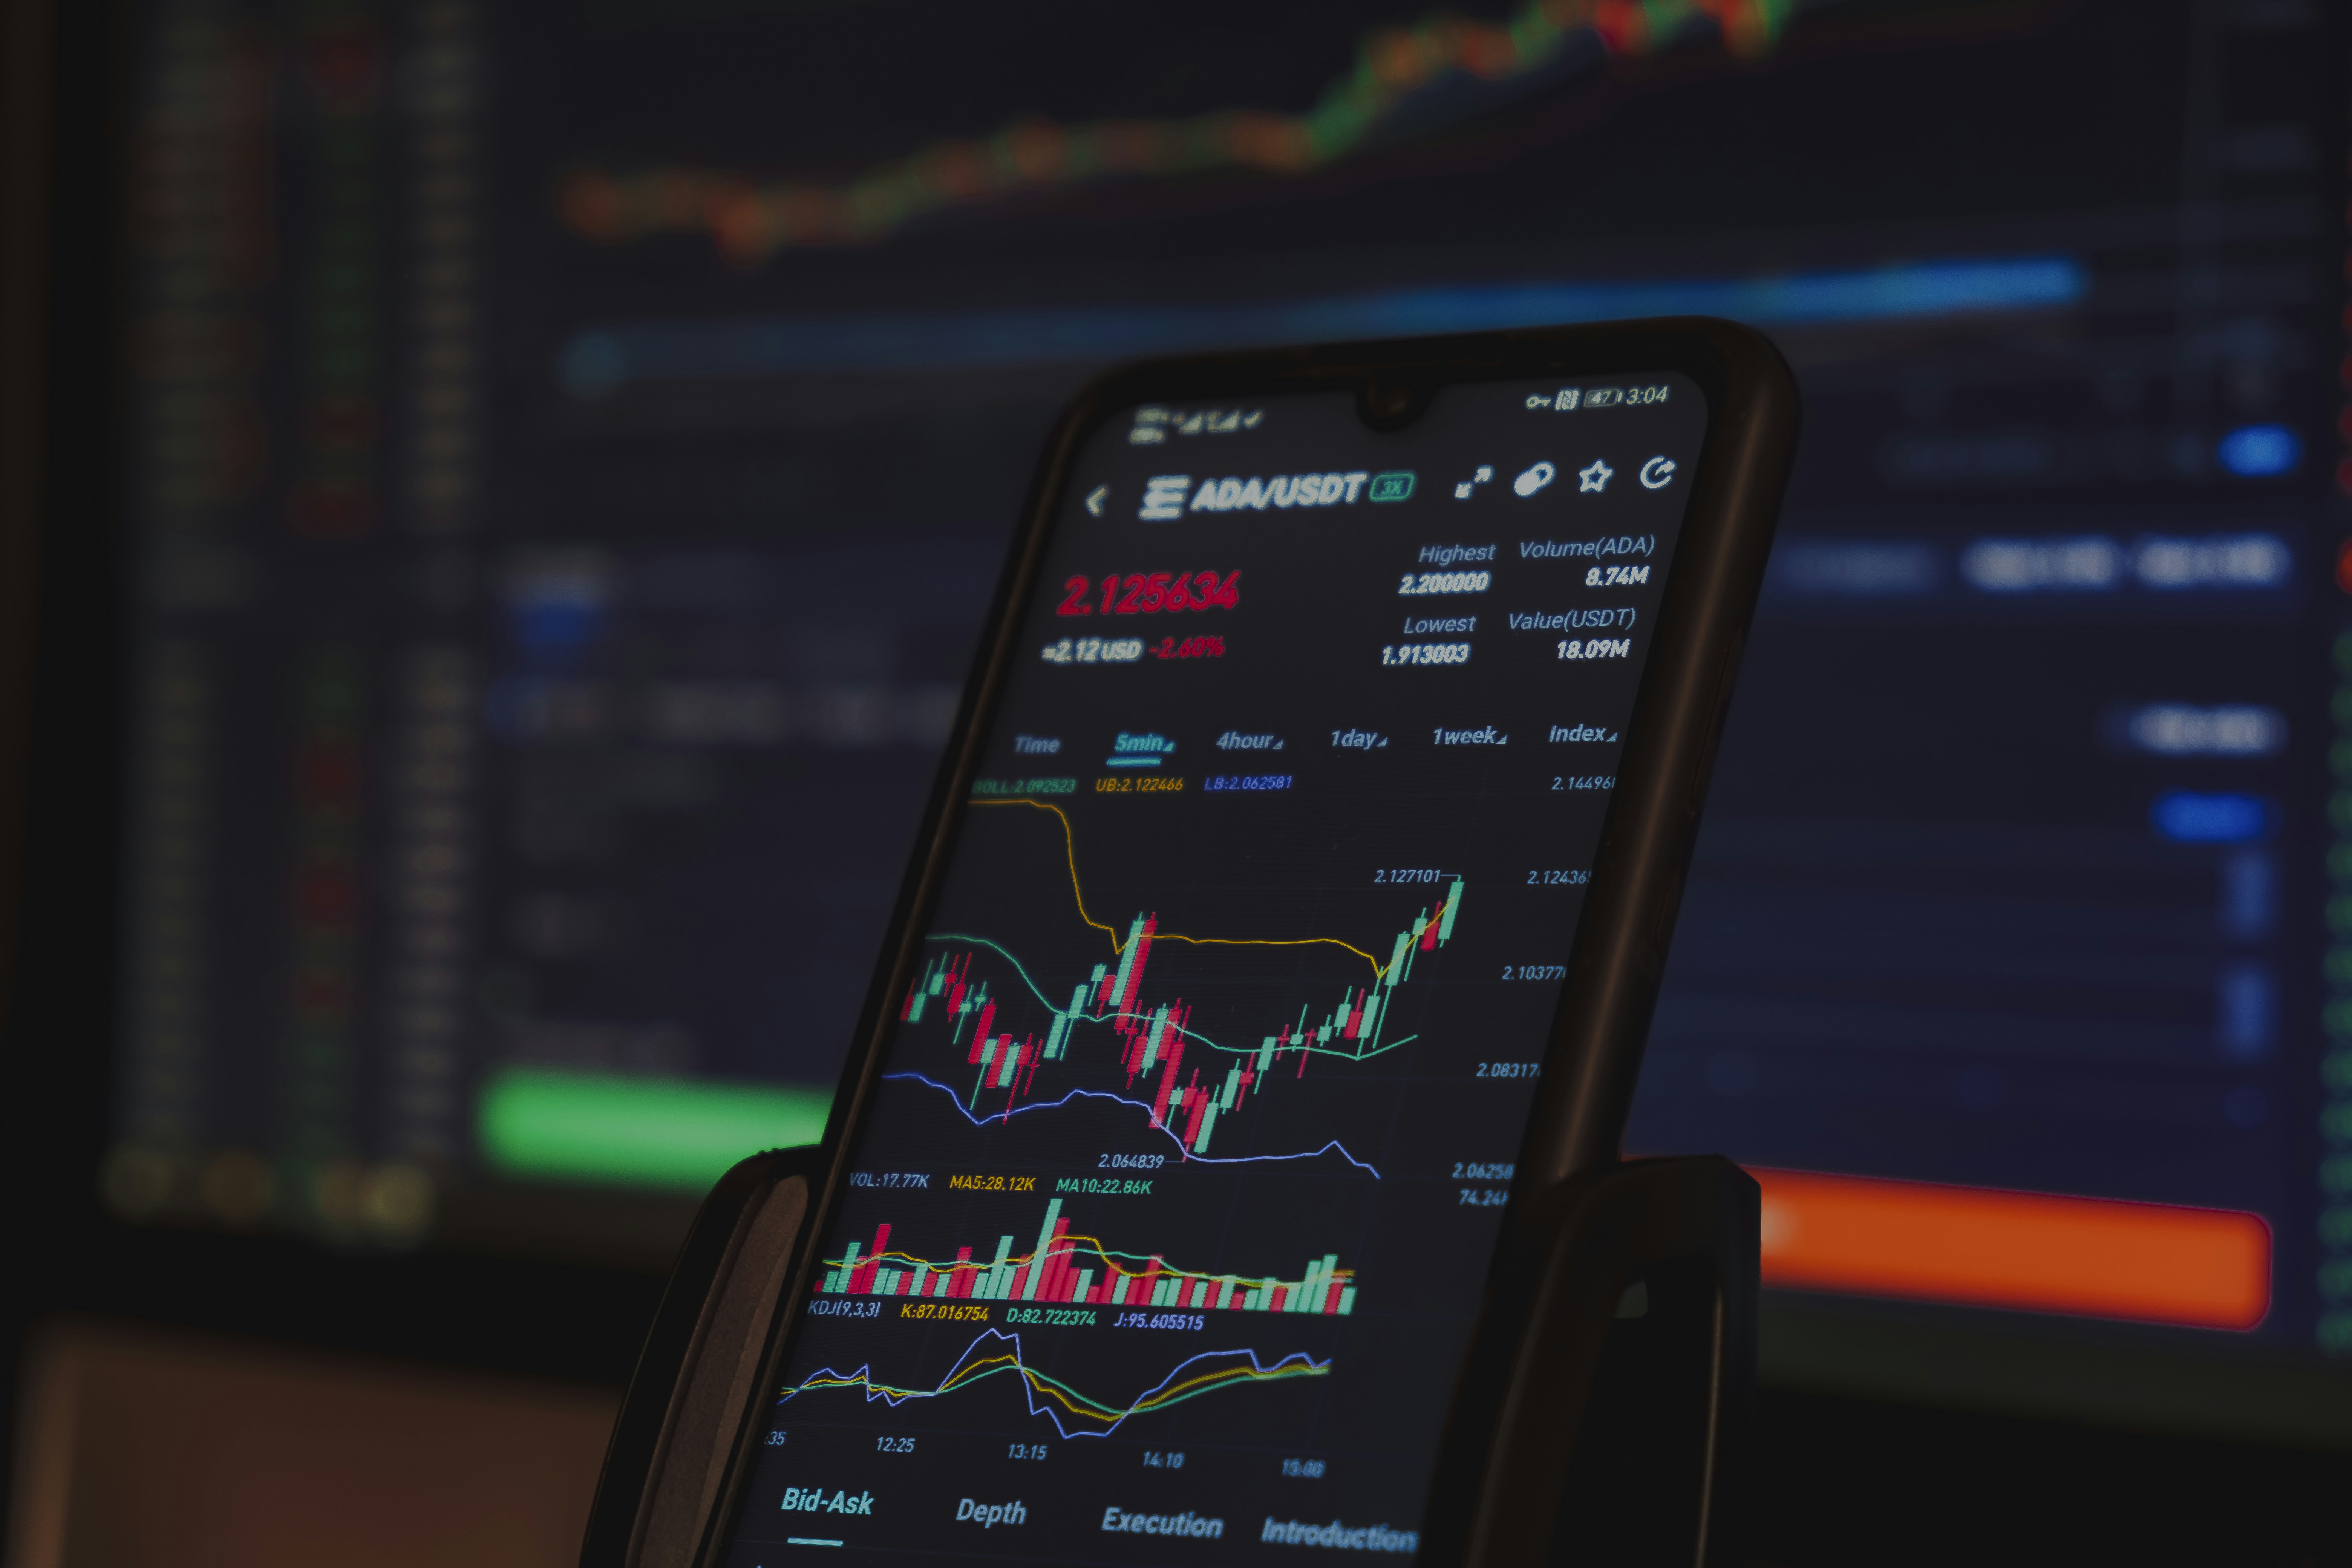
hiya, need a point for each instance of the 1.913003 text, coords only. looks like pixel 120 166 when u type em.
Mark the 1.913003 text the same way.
pixel 1426 653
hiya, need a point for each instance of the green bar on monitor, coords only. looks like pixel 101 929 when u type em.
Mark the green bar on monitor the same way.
pixel 549 1125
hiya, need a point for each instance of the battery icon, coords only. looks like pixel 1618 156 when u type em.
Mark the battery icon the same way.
pixel 1604 397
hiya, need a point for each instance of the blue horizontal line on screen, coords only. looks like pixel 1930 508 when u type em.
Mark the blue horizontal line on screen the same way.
pixel 605 358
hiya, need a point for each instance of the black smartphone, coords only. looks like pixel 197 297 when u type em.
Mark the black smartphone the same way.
pixel 1291 908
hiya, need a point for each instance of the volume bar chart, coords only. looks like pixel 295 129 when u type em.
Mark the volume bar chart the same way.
pixel 1079 1270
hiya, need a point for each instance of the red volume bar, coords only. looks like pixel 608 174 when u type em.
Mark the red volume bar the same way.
pixel 2037 1252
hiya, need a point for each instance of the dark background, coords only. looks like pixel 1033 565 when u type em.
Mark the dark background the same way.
pixel 1987 970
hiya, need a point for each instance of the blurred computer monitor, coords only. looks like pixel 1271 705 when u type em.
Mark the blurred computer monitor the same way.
pixel 561 454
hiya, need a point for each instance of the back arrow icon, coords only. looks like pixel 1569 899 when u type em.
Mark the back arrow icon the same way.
pixel 1095 500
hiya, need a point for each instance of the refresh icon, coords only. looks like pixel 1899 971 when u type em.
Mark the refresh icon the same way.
pixel 1657 473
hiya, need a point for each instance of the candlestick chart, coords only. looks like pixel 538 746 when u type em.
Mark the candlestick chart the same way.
pixel 1055 1269
pixel 993 1353
pixel 1150 1040
pixel 1394 69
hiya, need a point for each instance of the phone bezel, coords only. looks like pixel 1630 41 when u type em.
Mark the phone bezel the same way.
pixel 1618 955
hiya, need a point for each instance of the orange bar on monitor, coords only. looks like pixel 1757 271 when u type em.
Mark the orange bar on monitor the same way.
pixel 2037 1252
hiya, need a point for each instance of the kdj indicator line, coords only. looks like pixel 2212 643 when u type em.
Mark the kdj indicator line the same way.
pixel 1070 846
pixel 1045 1392
pixel 750 221
pixel 1334 1146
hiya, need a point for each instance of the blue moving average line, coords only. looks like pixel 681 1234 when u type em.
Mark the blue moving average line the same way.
pixel 603 358
pixel 1156 1126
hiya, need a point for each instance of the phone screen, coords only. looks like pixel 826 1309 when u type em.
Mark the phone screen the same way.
pixel 1169 1225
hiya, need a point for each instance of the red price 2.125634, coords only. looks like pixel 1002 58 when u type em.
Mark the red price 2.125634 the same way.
pixel 1149 593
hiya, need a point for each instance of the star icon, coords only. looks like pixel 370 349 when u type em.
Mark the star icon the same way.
pixel 1595 478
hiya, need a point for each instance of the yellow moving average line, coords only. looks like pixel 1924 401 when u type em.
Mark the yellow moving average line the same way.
pixel 1070 1399
pixel 1070 844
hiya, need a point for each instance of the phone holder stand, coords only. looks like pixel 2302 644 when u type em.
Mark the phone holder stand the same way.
pixel 1604 1409
pixel 1603 1415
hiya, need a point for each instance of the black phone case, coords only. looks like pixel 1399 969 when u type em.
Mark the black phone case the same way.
pixel 1578 1429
